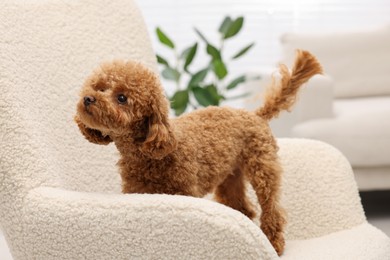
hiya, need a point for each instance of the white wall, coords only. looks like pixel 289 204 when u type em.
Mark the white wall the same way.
pixel 265 21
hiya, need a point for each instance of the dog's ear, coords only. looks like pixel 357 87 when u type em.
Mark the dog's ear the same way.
pixel 92 135
pixel 160 139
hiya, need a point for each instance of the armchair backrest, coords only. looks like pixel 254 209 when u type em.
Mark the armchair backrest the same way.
pixel 359 62
pixel 47 49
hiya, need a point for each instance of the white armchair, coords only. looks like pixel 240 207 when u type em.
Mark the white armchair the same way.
pixel 60 195
pixel 350 106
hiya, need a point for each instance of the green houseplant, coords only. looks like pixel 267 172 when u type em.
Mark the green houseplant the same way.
pixel 206 86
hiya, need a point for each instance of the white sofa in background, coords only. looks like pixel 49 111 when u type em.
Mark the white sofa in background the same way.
pixel 349 107
pixel 60 195
pixel 359 64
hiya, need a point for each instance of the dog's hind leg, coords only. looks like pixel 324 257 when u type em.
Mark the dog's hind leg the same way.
pixel 264 173
pixel 231 192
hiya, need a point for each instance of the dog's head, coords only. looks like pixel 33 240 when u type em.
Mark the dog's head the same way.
pixel 125 100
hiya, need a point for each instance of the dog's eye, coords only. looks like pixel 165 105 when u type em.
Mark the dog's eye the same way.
pixel 122 99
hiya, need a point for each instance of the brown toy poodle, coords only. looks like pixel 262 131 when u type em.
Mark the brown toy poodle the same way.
pixel 209 150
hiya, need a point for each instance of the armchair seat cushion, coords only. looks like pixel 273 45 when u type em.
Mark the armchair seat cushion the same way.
pixel 360 242
pixel 360 129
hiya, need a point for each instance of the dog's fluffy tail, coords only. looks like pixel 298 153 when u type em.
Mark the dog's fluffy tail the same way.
pixel 282 95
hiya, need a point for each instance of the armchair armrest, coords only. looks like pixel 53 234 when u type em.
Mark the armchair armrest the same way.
pixel 68 224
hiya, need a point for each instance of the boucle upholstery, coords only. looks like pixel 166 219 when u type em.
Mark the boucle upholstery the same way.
pixel 50 210
pixel 358 243
pixel 319 193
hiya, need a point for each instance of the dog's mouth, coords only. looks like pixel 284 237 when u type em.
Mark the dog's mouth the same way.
pixel 86 115
pixel 88 111
pixel 83 110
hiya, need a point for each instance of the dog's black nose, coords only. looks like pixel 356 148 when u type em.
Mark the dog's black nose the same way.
pixel 89 100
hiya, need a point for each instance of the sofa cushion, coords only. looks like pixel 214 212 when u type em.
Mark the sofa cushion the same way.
pixel 359 62
pixel 360 129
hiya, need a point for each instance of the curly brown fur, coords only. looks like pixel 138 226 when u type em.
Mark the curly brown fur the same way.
pixel 209 150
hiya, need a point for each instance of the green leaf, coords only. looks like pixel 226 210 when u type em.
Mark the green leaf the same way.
pixel 243 51
pixel 236 82
pixel 198 77
pixel 161 60
pixel 225 25
pixel 179 111
pixel 164 39
pixel 213 52
pixel 213 92
pixel 190 56
pixel 184 54
pixel 170 74
pixel 201 36
pixel 180 101
pixel 203 96
pixel 219 69
pixel 234 27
